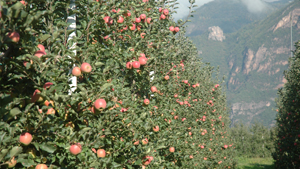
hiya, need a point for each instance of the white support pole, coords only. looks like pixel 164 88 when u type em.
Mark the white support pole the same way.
pixel 72 20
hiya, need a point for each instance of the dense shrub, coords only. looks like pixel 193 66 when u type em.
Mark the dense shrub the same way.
pixel 288 139
pixel 109 120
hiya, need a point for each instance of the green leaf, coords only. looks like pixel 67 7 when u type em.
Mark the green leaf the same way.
pixel 48 148
pixel 44 37
pixel 105 86
pixel 99 64
pixel 3 153
pixel 15 151
pixel 26 162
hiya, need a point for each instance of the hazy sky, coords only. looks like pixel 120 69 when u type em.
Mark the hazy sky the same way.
pixel 252 5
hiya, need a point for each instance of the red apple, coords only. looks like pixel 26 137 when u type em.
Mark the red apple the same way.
pixel 40 53
pixel 172 149
pixel 137 20
pixel 47 85
pixel 41 47
pixel 153 89
pixel 25 138
pixel 225 146
pixel 51 111
pixel 176 29
pixel 100 104
pixel 136 142
pixel 149 20
pixel 136 64
pixel 129 65
pixel 75 149
pixel 121 19
pixel 76 71
pixel 167 77
pixel 36 97
pixel 171 28
pixel 101 153
pixel 143 60
pixel 107 19
pixel 142 55
pixel 166 12
pixel 202 146
pixel 41 166
pixel 145 141
pixel 85 67
pixel 143 35
pixel 175 95
pixel 148 161
pixel 162 16
pixel 132 27
pixel 186 81
pixel 14 36
pixel 160 9
pixel 143 16
pixel 156 128
pixel 146 101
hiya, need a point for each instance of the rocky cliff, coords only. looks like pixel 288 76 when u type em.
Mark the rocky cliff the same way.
pixel 253 60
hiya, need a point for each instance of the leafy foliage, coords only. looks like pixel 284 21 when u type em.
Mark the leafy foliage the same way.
pixel 288 138
pixel 68 128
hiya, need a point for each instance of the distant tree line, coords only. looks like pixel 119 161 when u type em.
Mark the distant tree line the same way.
pixel 253 141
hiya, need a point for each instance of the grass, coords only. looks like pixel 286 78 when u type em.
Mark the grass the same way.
pixel 255 163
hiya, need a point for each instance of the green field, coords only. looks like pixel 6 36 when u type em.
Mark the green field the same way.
pixel 255 163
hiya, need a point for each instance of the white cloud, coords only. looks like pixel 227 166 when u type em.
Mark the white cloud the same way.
pixel 183 9
pixel 254 6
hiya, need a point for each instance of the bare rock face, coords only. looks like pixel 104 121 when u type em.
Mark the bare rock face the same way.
pixel 216 33
pixel 285 22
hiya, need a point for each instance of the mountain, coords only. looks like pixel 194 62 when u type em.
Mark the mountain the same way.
pixel 252 58
pixel 230 15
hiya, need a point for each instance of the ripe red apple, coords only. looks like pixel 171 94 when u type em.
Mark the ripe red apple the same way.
pixel 75 149
pixel 129 65
pixel 166 12
pixel 143 35
pixel 11 163
pixel 171 28
pixel 25 138
pixel 47 85
pixel 191 156
pixel 162 16
pixel 143 60
pixel 156 128
pixel 202 146
pixel 172 149
pixel 85 67
pixel 153 89
pixel 176 29
pixel 149 20
pixel 136 142
pixel 145 141
pixel 40 53
pixel 146 101
pixel 51 111
pixel 121 19
pixel 148 161
pixel 100 104
pixel 136 64
pixel 175 95
pixel 160 9
pixel 142 55
pixel 36 97
pixel 41 47
pixel 186 81
pixel 14 36
pixel 101 153
pixel 127 14
pixel 225 146
pixel 143 16
pixel 167 77
pixel 41 166
pixel 132 27
pixel 108 19
pixel 137 20
pixel 76 71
